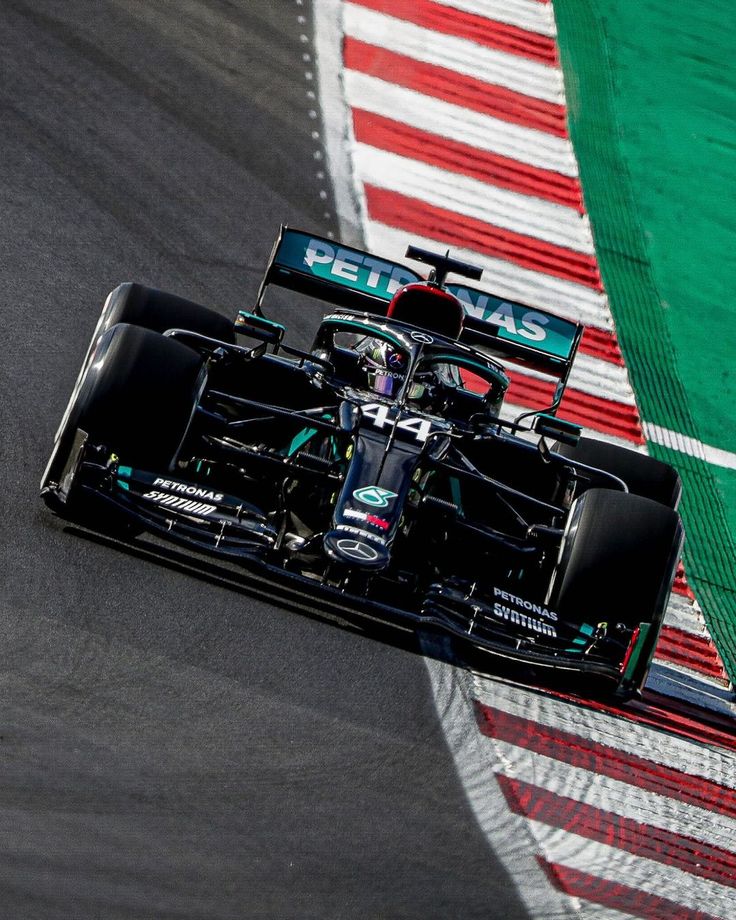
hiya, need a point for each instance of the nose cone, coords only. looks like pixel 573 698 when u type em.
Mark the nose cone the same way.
pixel 356 549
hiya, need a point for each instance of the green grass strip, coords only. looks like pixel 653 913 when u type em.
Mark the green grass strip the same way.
pixel 638 309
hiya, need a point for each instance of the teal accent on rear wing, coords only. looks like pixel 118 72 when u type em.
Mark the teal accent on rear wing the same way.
pixel 330 271
pixel 530 336
pixel 349 277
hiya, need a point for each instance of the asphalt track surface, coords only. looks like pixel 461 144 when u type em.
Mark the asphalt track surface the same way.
pixel 174 743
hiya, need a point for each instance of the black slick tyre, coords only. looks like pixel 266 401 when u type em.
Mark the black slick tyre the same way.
pixel 148 308
pixel 136 398
pixel 159 311
pixel 643 475
pixel 617 564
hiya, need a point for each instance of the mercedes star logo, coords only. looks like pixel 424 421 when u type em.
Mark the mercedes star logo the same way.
pixel 357 550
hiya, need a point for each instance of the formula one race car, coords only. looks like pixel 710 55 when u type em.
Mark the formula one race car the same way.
pixel 377 466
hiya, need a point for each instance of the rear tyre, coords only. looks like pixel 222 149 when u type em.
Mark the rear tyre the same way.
pixel 617 564
pixel 149 308
pixel 136 398
pixel 643 475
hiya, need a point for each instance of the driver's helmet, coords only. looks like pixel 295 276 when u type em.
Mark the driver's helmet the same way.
pixel 385 367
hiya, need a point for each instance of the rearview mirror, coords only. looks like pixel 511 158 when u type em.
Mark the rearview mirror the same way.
pixel 549 426
pixel 259 327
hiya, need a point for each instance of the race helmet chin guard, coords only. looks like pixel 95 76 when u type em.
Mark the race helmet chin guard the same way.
pixel 428 307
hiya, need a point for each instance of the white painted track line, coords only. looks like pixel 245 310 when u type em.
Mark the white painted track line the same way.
pixel 526 14
pixel 535 217
pixel 528 145
pixel 468 58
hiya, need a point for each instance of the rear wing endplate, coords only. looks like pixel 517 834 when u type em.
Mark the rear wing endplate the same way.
pixel 349 277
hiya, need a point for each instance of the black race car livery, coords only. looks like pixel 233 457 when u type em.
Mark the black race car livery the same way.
pixel 378 465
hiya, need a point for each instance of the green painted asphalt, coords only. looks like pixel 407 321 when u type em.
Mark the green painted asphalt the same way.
pixel 651 92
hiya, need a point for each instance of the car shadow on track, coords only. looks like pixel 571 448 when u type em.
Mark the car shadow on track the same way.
pixel 415 639
pixel 269 588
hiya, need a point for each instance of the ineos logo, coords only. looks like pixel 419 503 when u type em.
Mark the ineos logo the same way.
pixel 422 337
pixel 354 549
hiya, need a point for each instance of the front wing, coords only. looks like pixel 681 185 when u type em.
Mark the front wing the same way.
pixel 214 523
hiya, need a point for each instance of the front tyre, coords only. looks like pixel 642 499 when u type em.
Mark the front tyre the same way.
pixel 136 397
pixel 617 563
pixel 137 305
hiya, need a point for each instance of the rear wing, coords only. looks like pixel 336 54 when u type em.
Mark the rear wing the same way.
pixel 349 277
pixel 535 338
pixel 332 272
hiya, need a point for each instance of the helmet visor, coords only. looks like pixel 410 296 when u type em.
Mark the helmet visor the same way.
pixel 383 383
